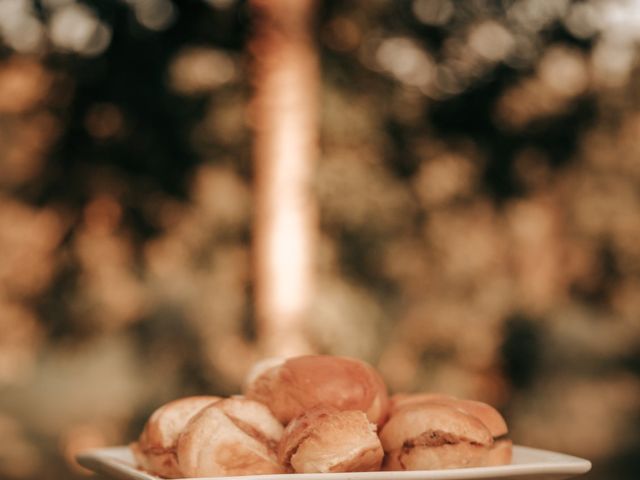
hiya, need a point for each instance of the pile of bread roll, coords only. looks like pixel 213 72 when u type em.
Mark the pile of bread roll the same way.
pixel 319 414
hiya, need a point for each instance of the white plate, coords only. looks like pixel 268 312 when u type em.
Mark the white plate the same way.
pixel 528 464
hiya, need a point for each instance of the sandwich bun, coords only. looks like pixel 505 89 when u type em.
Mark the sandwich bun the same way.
pixel 293 386
pixel 429 435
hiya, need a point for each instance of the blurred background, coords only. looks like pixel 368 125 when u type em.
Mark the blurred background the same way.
pixel 456 199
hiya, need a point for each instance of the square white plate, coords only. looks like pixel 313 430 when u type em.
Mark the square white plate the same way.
pixel 528 464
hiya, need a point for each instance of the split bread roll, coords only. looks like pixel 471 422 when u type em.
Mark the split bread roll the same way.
pixel 235 436
pixel 439 435
pixel 329 441
pixel 502 450
pixel 155 450
pixel 290 387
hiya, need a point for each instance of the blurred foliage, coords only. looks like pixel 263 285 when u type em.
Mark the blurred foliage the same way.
pixel 479 188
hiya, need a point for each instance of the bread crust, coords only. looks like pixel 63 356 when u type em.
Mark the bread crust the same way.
pixel 314 381
pixel 328 440
pixel 494 421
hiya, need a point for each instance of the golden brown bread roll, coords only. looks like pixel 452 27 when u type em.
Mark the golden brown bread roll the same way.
pixel 155 450
pixel 325 440
pixel 501 451
pixel 291 387
pixel 485 412
pixel 430 435
pixel 235 436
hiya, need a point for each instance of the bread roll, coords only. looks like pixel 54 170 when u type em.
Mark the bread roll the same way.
pixel 501 451
pixel 291 387
pixel 155 450
pixel 429 435
pixel 485 412
pixel 324 441
pixel 235 436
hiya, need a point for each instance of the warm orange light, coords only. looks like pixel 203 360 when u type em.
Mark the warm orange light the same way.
pixel 285 146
